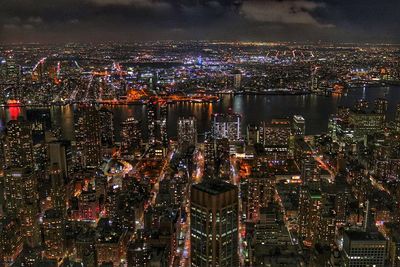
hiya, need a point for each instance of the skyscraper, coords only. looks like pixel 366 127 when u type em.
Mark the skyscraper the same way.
pixel 397 118
pixel 18 145
pixel 381 106
pixel 88 137
pixel 53 232
pixel 299 125
pixel 276 138
pixel 226 126
pixel 106 127
pixel 131 135
pixel 364 249
pixel 163 123
pixel 214 224
pixel 151 122
pixel 187 133
pixel 310 210
pixel 20 193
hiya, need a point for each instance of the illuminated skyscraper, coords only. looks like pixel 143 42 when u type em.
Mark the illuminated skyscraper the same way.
pixel 18 145
pixel 299 125
pixel 60 154
pixel 88 137
pixel 237 79
pixel 11 241
pixel 310 211
pixel 151 122
pixel 131 135
pixel 187 133
pixel 107 127
pixel 214 224
pixel 276 138
pixel 364 249
pixel 226 126
pixel 20 193
pixel 397 118
pixel 381 106
pixel 53 233
pixel 254 134
pixel 163 124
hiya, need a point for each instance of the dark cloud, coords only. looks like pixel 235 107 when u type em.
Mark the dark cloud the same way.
pixel 86 20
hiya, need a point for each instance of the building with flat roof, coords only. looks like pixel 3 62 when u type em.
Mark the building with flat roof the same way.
pixel 214 224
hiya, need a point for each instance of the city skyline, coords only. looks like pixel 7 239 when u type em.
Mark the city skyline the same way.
pixel 199 133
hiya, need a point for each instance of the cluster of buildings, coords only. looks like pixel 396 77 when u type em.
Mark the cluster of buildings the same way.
pixel 132 73
pixel 263 194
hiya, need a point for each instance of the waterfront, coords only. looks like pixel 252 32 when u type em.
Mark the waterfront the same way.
pixel 253 108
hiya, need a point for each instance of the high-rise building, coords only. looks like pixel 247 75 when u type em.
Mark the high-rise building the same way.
pixel 60 154
pixel 53 232
pixel 299 125
pixel 276 138
pixel 365 123
pixel 151 121
pixel 163 124
pixel 397 118
pixel 214 224
pixel 364 249
pixel 138 254
pixel 260 193
pixel 57 191
pixel 253 134
pixel 226 126
pixel 21 198
pixel 381 106
pixel 18 144
pixel 106 127
pixel 88 137
pixel 237 79
pixel 310 210
pixel 187 133
pixel 131 135
pixel 11 241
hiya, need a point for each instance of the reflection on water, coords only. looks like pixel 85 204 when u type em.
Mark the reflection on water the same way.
pixel 315 109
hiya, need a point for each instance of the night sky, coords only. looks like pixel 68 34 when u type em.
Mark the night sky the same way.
pixel 265 20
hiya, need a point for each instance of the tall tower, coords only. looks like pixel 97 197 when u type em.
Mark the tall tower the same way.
pixel 151 122
pixel 106 127
pixel 88 137
pixel 214 224
pixel 164 124
pixel 21 198
pixel 187 133
pixel 18 145
pixel 226 126
pixel 131 135
pixel 397 118
pixel 381 106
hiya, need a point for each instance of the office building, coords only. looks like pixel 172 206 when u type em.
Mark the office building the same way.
pixel 187 133
pixel 87 137
pixel 151 111
pixel 299 125
pixel 276 138
pixel 106 127
pixel 226 125
pixel 214 224
pixel 18 144
pixel 364 249
pixel 53 234
pixel 131 135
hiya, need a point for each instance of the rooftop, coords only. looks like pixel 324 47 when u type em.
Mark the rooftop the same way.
pixel 214 187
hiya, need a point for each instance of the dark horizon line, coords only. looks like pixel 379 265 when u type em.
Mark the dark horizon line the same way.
pixel 221 41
